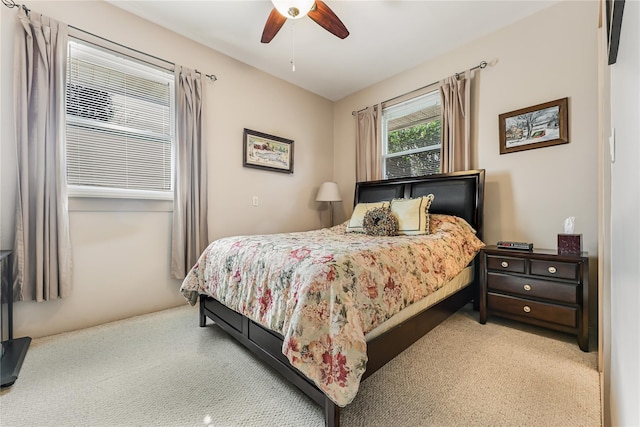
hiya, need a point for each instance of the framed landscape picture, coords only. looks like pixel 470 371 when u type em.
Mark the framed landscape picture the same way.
pixel 538 126
pixel 263 151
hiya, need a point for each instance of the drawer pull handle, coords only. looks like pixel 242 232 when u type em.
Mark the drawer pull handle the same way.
pixel 504 264
pixel 552 270
pixel 526 309
pixel 527 287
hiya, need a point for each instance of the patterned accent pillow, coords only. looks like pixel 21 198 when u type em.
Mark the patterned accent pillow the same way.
pixel 413 215
pixel 380 222
pixel 355 223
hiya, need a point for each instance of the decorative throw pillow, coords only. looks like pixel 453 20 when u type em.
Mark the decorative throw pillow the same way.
pixel 355 223
pixel 380 222
pixel 413 215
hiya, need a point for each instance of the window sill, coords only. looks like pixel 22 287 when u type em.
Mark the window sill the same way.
pixel 104 204
pixel 77 191
pixel 97 199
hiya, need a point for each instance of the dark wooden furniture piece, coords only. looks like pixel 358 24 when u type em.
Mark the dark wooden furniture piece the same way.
pixel 539 287
pixel 460 194
pixel 13 350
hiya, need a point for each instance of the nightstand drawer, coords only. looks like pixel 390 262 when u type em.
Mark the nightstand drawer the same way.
pixel 528 287
pixel 503 263
pixel 561 315
pixel 562 270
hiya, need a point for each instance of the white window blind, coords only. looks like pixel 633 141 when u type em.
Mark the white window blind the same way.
pixel 120 125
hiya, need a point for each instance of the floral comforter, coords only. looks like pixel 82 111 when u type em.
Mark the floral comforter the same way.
pixel 323 290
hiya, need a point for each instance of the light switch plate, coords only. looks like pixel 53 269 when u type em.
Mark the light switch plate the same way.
pixel 612 145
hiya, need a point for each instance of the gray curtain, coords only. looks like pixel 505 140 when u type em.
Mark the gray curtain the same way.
pixel 456 122
pixel 42 249
pixel 368 145
pixel 190 234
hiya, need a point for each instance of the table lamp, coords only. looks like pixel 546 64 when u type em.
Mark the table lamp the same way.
pixel 329 192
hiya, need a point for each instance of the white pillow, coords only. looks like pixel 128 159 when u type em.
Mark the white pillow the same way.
pixel 413 215
pixel 355 223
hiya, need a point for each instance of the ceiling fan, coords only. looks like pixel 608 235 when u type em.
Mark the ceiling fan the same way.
pixel 317 10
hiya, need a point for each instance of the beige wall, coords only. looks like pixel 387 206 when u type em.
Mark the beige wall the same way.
pixel 550 55
pixel 121 248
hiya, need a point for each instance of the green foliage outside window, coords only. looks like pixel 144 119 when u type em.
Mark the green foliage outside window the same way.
pixel 419 136
pixel 411 138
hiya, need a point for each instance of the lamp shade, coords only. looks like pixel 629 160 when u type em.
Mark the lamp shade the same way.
pixel 293 9
pixel 328 192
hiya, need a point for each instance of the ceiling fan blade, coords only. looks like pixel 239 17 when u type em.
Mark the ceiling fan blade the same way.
pixel 324 16
pixel 275 21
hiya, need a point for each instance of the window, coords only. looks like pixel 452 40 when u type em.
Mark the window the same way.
pixel 412 137
pixel 120 125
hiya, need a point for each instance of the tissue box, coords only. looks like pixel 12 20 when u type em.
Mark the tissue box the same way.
pixel 569 243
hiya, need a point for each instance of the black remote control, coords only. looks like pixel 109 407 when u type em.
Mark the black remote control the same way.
pixel 505 244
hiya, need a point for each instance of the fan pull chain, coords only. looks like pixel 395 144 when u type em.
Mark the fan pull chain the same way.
pixel 293 47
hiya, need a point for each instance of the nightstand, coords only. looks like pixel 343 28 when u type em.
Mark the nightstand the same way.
pixel 540 287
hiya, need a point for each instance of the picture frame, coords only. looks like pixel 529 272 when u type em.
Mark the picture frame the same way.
pixel 541 125
pixel 614 10
pixel 268 152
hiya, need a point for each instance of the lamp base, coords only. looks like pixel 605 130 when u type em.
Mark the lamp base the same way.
pixel 330 214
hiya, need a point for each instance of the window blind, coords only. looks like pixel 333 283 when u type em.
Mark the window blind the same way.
pixel 120 122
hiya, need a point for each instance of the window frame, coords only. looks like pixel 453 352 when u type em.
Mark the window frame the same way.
pixel 88 191
pixel 399 102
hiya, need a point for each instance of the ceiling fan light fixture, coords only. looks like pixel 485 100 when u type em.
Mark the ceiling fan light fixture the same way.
pixel 293 9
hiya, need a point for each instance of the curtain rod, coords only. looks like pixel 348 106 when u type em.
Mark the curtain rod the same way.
pixel 482 65
pixel 211 77
pixel 11 4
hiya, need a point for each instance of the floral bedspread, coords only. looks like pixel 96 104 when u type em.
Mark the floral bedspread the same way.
pixel 323 290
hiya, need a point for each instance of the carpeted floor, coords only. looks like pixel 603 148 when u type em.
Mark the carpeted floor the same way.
pixel 163 370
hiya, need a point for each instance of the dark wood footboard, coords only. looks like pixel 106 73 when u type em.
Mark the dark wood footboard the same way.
pixel 267 344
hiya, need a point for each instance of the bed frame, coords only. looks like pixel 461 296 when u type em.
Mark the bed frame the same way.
pixel 458 193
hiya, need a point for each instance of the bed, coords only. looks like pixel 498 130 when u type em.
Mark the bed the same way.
pixel 324 280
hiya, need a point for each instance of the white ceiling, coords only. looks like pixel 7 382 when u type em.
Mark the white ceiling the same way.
pixel 387 37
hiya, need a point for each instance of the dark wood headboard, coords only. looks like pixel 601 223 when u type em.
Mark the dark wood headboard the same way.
pixel 458 193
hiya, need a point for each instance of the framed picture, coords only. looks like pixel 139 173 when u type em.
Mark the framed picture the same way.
pixel 539 126
pixel 614 24
pixel 268 152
